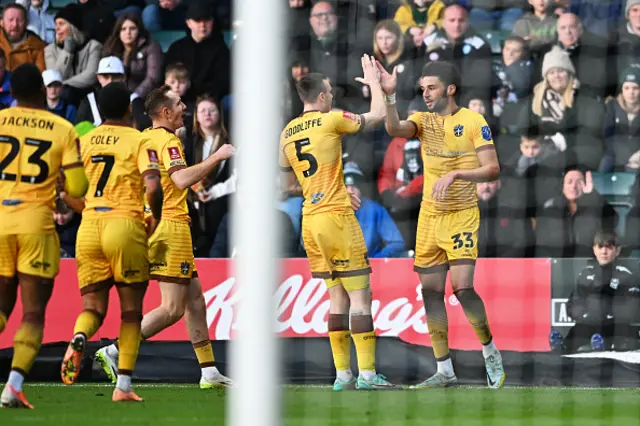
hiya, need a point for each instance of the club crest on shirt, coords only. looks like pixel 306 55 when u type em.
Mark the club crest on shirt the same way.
pixel 316 197
pixel 458 129
pixel 486 133
pixel 615 282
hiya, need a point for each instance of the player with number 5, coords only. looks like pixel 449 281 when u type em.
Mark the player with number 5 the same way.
pixel 457 152
pixel 311 156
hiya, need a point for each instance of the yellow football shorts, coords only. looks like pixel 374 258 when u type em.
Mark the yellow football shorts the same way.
pixel 336 249
pixel 111 250
pixel 446 239
pixel 171 253
pixel 31 254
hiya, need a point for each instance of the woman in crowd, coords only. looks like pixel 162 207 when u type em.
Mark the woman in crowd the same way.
pixel 141 56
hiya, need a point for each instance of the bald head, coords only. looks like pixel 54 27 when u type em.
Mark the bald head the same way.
pixel 454 22
pixel 569 29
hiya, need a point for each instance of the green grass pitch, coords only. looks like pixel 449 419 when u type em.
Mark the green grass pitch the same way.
pixel 89 404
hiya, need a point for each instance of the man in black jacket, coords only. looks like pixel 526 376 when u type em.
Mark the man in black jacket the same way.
pixel 605 302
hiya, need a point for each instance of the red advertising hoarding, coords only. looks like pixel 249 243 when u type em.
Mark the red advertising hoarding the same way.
pixel 517 294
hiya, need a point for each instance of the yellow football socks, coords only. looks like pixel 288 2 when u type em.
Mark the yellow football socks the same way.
pixel 26 345
pixel 437 322
pixel 366 350
pixel 129 342
pixel 341 349
pixel 204 353
pixel 87 323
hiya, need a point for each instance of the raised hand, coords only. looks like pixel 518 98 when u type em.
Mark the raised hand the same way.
pixel 225 151
pixel 388 81
pixel 369 70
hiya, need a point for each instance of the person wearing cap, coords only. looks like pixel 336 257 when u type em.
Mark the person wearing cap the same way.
pixel 110 69
pixel 53 82
pixel 381 235
pixel 621 123
pixel 559 111
pixel 73 55
pixel 204 53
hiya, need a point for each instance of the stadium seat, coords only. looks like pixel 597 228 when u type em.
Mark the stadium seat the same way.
pixel 614 184
pixel 228 37
pixel 59 4
pixel 495 39
pixel 622 208
pixel 166 38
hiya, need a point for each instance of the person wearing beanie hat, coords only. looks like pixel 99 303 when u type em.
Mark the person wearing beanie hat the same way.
pixel 555 93
pixel 73 55
pixel 557 58
pixel 629 5
pixel 381 234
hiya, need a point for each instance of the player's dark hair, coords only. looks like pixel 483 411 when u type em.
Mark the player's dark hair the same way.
pixel 27 86
pixel 606 237
pixel 446 72
pixel 20 7
pixel 156 100
pixel 310 86
pixel 114 101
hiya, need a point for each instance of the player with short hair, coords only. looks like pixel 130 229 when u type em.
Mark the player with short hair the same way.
pixel 111 245
pixel 170 248
pixel 311 155
pixel 457 152
pixel 34 145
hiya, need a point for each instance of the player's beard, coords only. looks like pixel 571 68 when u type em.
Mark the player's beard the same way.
pixel 439 105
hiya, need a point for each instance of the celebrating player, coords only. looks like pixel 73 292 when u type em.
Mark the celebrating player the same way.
pixel 311 155
pixel 457 153
pixel 34 145
pixel 170 247
pixel 111 245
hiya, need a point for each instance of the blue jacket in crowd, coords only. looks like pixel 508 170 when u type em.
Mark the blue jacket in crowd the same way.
pixel 68 112
pixel 381 234
pixel 5 91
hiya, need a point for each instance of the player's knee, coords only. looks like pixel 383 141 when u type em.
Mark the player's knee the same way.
pixel 174 309
pixel 131 316
pixel 99 315
pixel 34 317
pixel 466 295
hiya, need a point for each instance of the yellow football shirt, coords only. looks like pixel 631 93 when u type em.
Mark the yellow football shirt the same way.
pixel 450 143
pixel 116 158
pixel 34 145
pixel 312 144
pixel 172 159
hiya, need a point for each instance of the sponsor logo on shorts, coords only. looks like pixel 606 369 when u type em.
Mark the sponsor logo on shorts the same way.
pixel 340 263
pixel 131 272
pixel 36 264
pixel 157 265
pixel 174 153
pixel 184 268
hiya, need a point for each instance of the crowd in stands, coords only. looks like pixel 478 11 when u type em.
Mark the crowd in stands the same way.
pixel 558 81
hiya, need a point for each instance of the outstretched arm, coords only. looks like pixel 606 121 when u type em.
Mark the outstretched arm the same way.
pixel 395 127
pixel 184 178
pixel 377 112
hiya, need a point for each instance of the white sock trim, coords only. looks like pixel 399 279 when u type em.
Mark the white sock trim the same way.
pixel 446 367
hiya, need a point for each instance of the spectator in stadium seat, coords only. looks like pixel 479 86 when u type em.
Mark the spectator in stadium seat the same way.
pixel 505 230
pixel 381 235
pixel 292 104
pixel 327 52
pixel 419 18
pixel 141 55
pixel 204 53
pixel 67 223
pixel 165 15
pixel 559 111
pixel 496 14
pixel 514 74
pixel 6 100
pixel 626 40
pixel 389 49
pixel 539 26
pixel 605 301
pixel 589 55
pixel 600 17
pixel 461 45
pixel 298 19
pixel 533 150
pixel 212 196
pixel 19 44
pixel 622 124
pixel 176 76
pixel 53 82
pixel 110 69
pixel 73 55
pixel 99 16
pixel 39 20
pixel 566 224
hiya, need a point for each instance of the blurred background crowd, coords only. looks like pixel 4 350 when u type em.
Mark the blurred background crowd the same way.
pixel 557 80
